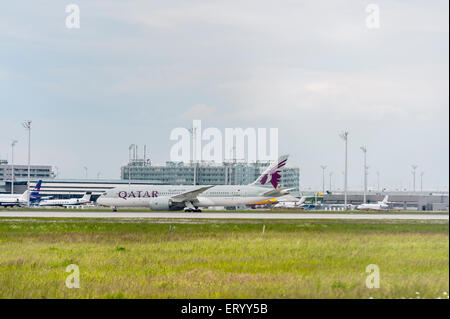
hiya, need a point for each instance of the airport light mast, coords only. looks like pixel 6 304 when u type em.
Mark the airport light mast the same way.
pixel 421 181
pixel 12 165
pixel 130 160
pixel 331 173
pixel 323 177
pixel 378 181
pixel 27 126
pixel 193 132
pixel 414 167
pixel 344 136
pixel 130 149
pixel 364 149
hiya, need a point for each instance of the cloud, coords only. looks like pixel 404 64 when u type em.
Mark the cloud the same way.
pixel 310 68
pixel 200 112
pixel 386 93
pixel 318 86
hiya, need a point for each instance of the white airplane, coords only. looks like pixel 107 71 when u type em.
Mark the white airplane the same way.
pixel 67 202
pixel 192 198
pixel 383 205
pixel 20 199
pixel 292 204
pixel 14 200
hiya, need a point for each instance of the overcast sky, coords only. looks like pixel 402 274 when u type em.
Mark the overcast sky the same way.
pixel 135 70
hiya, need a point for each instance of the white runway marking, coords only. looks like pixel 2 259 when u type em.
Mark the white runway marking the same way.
pixel 208 215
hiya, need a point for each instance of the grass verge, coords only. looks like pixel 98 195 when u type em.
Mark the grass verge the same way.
pixel 216 259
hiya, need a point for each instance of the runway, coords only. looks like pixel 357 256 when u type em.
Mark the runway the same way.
pixel 211 215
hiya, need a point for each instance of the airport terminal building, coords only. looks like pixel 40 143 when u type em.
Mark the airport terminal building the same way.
pixel 21 171
pixel 412 201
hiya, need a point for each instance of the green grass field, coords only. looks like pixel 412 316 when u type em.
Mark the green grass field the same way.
pixel 217 259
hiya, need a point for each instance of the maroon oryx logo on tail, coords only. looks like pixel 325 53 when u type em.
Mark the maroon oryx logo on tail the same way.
pixel 274 175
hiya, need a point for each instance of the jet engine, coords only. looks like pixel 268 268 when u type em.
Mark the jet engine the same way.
pixel 163 203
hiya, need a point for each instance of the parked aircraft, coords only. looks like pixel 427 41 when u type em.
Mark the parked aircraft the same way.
pixel 192 198
pixel 382 205
pixel 21 199
pixel 67 202
pixel 295 204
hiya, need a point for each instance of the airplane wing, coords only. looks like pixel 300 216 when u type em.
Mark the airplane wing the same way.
pixel 191 195
pixel 277 192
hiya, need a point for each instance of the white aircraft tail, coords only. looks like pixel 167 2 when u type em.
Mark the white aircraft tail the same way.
pixel 87 196
pixel 272 174
pixel 385 199
pixel 302 200
pixel 25 195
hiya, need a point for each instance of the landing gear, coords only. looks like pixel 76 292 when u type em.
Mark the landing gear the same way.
pixel 195 210
pixel 190 208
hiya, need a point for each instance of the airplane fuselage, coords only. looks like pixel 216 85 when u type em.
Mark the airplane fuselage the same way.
pixel 219 195
pixel 62 202
pixel 11 201
pixel 372 207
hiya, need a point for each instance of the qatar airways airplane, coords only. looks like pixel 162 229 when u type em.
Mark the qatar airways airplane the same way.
pixel 192 198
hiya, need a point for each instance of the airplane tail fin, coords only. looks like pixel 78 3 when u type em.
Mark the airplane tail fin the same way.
pixel 87 196
pixel 302 200
pixel 38 186
pixel 385 199
pixel 34 195
pixel 272 173
pixel 25 195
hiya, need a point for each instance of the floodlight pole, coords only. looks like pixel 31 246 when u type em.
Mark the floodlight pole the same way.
pixel 344 136
pixel 323 178
pixel 12 165
pixel 131 149
pixel 193 132
pixel 27 126
pixel 378 181
pixel 421 181
pixel 331 173
pixel 364 149
pixel 414 167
